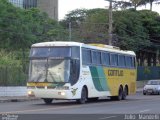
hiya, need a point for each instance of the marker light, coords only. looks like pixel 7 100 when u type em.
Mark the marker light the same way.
pixel 31 94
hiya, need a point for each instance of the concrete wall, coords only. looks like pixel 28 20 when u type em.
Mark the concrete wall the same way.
pixel 13 91
pixel 50 7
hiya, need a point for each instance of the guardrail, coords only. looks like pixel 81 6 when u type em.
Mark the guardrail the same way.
pixel 13 91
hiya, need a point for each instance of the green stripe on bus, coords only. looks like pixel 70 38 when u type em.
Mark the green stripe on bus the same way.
pixel 102 78
pixel 99 78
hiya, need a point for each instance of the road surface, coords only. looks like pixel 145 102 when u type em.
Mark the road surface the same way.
pixel 102 109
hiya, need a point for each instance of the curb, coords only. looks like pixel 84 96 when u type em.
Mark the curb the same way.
pixel 139 90
pixel 13 99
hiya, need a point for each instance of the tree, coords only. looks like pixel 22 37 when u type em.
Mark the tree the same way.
pixel 130 3
pixel 134 3
pixel 129 30
pixel 144 2
pixel 20 28
pixel 151 22
pixel 85 24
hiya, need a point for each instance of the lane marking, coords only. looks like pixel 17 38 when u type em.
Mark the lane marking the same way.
pixel 147 110
pixel 36 110
pixel 108 117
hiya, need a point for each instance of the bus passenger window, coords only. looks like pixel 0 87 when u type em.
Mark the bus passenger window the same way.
pixel 128 61
pixel 98 58
pixel 114 59
pixel 86 56
pixel 121 61
pixel 106 59
pixel 94 57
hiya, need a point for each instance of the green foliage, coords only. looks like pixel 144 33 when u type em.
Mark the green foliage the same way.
pixel 130 30
pixel 20 28
pixel 12 76
pixel 133 30
pixel 151 23
pixel 9 58
pixel 11 69
pixel 134 4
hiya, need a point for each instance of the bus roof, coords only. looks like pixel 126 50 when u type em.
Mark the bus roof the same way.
pixel 108 48
pixel 91 46
pixel 57 43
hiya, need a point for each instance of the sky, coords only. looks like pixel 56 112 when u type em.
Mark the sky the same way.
pixel 65 6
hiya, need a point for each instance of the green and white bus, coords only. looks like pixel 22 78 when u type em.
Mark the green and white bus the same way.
pixel 78 71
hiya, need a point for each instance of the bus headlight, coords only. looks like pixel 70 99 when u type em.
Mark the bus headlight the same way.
pixel 31 93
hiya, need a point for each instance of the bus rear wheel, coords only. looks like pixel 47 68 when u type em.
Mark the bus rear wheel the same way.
pixel 120 95
pixel 125 92
pixel 83 98
pixel 47 100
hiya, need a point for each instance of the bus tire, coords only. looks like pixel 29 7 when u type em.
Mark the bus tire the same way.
pixel 125 92
pixel 113 97
pixel 48 100
pixel 93 99
pixel 120 94
pixel 83 98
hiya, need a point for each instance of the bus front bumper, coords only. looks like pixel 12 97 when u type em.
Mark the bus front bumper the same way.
pixel 55 94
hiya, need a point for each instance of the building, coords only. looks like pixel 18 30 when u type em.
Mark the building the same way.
pixel 48 6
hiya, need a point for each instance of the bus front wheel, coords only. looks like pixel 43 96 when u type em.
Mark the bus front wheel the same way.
pixel 47 100
pixel 83 98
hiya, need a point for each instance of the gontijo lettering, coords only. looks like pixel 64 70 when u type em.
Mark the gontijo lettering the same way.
pixel 115 72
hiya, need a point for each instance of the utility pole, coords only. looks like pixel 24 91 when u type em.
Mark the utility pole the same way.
pixel 110 23
pixel 70 31
pixel 70 28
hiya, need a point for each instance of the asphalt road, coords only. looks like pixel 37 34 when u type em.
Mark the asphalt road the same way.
pixel 102 109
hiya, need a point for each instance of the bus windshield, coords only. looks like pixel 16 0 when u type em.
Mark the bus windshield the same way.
pixel 51 52
pixel 49 70
pixel 54 64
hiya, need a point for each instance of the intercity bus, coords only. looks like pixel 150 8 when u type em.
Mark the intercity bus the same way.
pixel 81 72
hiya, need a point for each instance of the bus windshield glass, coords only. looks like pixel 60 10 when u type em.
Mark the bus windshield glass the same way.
pixel 52 64
pixel 51 70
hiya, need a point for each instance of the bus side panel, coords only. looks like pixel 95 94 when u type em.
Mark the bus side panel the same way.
pixel 99 78
pixel 95 80
pixel 116 77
